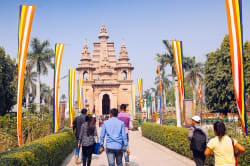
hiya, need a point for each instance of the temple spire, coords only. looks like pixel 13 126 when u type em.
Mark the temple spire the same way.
pixel 123 53
pixel 103 33
pixel 85 43
pixel 85 52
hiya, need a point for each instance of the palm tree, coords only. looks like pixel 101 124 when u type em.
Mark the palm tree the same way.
pixel 147 95
pixel 46 95
pixel 167 59
pixel 63 97
pixel 193 74
pixel 29 82
pixel 40 57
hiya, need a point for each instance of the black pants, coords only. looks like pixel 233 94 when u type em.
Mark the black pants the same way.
pixel 199 158
pixel 87 154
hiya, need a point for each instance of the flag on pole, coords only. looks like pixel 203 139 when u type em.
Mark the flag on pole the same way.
pixel 84 97
pixel 26 14
pixel 80 95
pixel 71 95
pixel 234 18
pixel 178 56
pixel 151 108
pixel 58 59
pixel 161 106
pixel 139 83
pixel 200 91
pixel 133 101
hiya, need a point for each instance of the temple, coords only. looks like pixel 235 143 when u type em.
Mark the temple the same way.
pixel 107 79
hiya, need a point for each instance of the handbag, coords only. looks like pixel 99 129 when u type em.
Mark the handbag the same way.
pixel 97 148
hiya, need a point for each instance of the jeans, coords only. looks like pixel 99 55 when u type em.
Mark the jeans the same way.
pixel 125 154
pixel 87 154
pixel 77 149
pixel 199 159
pixel 114 155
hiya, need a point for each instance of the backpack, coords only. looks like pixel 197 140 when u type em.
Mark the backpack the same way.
pixel 198 141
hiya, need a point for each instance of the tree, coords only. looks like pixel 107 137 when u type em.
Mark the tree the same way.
pixel 63 97
pixel 40 57
pixel 8 80
pixel 218 80
pixel 167 59
pixel 194 73
pixel 246 50
pixel 48 96
pixel 29 82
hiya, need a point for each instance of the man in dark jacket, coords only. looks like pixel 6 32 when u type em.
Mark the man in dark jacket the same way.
pixel 199 157
pixel 77 123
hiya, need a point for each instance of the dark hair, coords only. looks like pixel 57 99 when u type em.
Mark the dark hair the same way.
pixel 220 129
pixel 84 111
pixel 123 107
pixel 114 112
pixel 91 125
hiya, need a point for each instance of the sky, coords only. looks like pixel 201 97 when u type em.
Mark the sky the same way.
pixel 142 24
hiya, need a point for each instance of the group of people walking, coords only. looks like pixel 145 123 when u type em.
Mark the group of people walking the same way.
pixel 115 130
pixel 224 148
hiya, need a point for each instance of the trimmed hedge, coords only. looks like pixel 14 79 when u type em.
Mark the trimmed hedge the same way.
pixel 175 138
pixel 50 150
pixel 135 125
pixel 169 122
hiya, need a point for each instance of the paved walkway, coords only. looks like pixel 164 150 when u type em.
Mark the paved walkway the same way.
pixel 143 153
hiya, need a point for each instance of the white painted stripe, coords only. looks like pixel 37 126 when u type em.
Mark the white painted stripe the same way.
pixel 236 72
pixel 176 56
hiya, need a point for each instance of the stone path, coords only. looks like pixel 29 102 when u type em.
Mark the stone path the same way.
pixel 143 153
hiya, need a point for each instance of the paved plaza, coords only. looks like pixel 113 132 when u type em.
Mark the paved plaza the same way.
pixel 143 153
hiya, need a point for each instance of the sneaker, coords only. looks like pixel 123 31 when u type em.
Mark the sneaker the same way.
pixel 76 160
pixel 127 164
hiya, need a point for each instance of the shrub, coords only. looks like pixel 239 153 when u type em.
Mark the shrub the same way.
pixel 169 122
pixel 34 126
pixel 50 150
pixel 135 125
pixel 175 138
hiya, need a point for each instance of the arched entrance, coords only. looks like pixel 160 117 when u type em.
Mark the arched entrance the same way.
pixel 105 104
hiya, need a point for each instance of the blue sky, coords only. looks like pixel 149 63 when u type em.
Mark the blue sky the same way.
pixel 200 24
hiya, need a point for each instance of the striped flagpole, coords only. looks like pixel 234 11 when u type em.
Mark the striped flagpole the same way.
pixel 84 97
pixel 161 106
pixel 178 56
pixel 133 98
pixel 58 59
pixel 26 14
pixel 151 109
pixel 72 95
pixel 140 94
pixel 80 95
pixel 69 94
pixel 234 18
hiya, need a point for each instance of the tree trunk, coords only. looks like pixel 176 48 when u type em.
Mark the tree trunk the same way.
pixel 37 101
pixel 194 97
pixel 27 99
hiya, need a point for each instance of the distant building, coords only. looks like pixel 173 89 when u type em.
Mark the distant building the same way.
pixel 106 79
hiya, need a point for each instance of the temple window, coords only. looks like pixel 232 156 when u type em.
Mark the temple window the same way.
pixel 85 75
pixel 124 75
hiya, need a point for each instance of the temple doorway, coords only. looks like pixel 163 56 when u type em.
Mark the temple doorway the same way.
pixel 105 104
